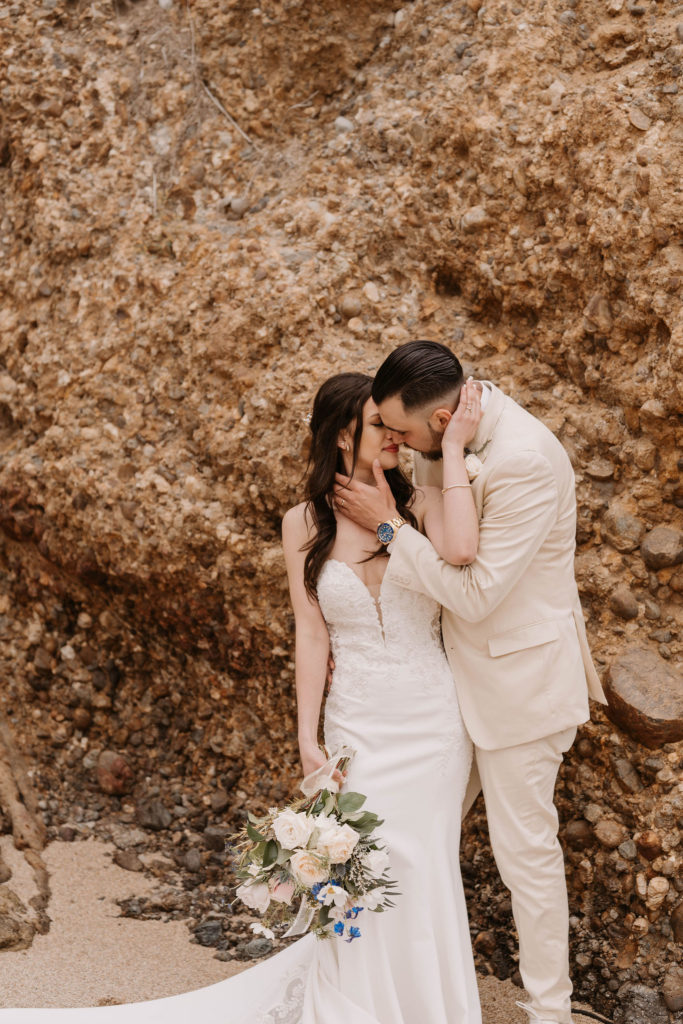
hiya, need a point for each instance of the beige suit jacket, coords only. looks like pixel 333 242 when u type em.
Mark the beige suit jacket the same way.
pixel 513 626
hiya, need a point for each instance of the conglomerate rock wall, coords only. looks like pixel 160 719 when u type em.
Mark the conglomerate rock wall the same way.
pixel 205 210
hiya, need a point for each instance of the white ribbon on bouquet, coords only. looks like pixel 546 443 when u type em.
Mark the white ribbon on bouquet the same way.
pixel 321 778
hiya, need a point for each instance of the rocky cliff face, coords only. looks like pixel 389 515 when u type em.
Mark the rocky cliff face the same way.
pixel 206 210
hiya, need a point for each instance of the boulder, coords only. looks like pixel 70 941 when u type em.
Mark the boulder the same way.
pixel 623 603
pixel 643 1005
pixel 623 530
pixel 662 547
pixel 645 697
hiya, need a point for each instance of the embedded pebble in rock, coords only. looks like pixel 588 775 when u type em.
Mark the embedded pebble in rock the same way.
pixel 623 603
pixel 114 774
pixel 350 305
pixel 627 775
pixel 371 292
pixel 215 837
pixel 219 801
pixel 579 834
pixel 649 844
pixel 193 861
pixel 475 219
pixel 600 469
pixel 657 891
pixel 128 859
pixel 639 119
pixel 622 529
pixel 677 922
pixel 610 833
pixel 672 988
pixel 662 547
pixel 153 814
pixel 646 697
pixel 628 849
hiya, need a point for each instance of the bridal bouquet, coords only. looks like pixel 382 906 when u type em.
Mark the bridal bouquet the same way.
pixel 321 851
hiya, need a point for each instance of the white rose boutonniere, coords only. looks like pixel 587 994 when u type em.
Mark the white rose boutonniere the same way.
pixel 473 465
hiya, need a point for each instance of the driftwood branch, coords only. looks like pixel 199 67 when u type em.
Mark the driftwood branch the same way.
pixel 19 803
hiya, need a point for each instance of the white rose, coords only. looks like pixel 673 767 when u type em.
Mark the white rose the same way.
pixel 376 861
pixel 255 896
pixel 473 465
pixel 308 867
pixel 293 829
pixel 338 842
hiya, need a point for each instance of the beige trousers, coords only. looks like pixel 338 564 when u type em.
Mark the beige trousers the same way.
pixel 519 786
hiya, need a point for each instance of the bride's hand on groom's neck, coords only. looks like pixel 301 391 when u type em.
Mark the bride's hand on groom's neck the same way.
pixel 365 504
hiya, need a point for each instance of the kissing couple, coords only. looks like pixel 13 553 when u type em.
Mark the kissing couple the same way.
pixel 449 608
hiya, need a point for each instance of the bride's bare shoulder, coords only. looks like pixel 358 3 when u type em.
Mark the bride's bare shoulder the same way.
pixel 297 523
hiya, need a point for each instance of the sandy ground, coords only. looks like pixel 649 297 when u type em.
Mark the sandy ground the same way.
pixel 92 956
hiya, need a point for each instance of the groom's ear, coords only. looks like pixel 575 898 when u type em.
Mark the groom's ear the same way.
pixel 440 419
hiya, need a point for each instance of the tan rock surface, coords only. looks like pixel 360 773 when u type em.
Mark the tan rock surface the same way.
pixel 204 211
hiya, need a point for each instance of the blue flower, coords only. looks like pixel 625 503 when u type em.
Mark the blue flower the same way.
pixel 354 933
pixel 353 912
pixel 339 929
pixel 317 887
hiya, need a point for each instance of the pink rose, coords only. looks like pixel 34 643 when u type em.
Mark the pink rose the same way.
pixel 282 892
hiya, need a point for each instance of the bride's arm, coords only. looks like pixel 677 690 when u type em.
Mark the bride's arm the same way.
pixel 312 641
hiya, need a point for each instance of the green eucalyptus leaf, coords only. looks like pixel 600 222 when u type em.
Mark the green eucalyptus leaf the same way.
pixel 270 853
pixel 350 802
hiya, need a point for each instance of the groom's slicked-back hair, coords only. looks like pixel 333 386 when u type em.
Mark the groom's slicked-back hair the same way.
pixel 419 372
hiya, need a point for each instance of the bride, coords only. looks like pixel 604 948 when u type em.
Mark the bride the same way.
pixel 392 699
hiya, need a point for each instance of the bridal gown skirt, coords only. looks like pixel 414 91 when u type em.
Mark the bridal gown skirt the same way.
pixel 392 700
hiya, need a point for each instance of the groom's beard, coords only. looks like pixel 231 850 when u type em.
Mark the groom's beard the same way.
pixel 434 454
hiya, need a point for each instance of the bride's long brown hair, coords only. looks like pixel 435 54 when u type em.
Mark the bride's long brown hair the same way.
pixel 339 404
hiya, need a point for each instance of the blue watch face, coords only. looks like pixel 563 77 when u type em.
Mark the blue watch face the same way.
pixel 385 533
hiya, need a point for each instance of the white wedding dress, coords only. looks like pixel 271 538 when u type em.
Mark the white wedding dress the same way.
pixel 393 700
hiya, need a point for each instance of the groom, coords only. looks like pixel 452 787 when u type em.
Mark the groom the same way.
pixel 513 630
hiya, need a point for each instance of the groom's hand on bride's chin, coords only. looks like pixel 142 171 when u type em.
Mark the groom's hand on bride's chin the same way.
pixel 363 503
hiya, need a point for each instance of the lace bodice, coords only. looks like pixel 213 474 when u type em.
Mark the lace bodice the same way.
pixel 377 637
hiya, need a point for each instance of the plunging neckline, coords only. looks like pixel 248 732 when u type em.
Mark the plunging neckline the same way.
pixel 375 601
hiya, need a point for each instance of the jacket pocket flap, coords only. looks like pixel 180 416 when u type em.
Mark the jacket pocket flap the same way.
pixel 524 636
